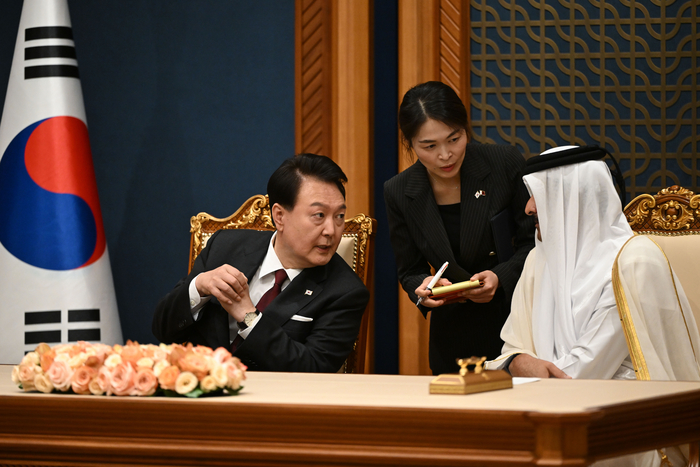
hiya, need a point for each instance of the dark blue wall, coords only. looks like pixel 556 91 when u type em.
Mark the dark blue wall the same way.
pixel 190 106
pixel 386 90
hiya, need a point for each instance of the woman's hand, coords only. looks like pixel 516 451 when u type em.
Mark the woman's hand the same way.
pixel 485 293
pixel 422 291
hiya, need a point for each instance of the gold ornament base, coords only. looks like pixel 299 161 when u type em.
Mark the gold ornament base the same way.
pixel 470 382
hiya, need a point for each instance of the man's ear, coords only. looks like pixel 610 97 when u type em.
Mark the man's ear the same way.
pixel 278 213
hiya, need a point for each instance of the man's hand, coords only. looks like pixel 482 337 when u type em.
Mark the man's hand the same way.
pixel 422 291
pixel 529 366
pixel 230 287
pixel 485 293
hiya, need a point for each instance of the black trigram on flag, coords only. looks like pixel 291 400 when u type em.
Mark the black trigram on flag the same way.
pixel 46 326
pixel 47 44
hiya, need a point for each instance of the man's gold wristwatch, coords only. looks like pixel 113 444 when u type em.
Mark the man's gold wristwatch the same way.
pixel 248 320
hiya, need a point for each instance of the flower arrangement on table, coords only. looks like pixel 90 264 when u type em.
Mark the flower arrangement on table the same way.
pixel 130 370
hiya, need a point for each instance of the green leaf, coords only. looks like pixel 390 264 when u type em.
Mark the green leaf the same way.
pixel 196 392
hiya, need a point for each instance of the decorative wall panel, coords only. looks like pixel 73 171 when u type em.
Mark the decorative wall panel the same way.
pixel 314 73
pixel 620 74
pixel 454 42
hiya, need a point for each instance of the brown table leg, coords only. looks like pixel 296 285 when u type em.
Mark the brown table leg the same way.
pixel 694 458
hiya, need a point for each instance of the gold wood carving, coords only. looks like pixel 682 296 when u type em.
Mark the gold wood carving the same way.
pixel 253 214
pixel 672 211
pixel 258 212
pixel 642 211
pixel 672 216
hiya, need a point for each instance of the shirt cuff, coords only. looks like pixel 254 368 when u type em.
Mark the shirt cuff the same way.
pixel 196 301
pixel 244 332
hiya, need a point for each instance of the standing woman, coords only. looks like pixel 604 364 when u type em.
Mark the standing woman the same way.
pixel 448 206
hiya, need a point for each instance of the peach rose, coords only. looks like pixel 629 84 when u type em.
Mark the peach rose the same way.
pixel 186 382
pixel 102 351
pixel 80 347
pixel 168 377
pixel 80 382
pixel 203 350
pixel 43 383
pixel 131 354
pixel 42 348
pixel 27 372
pixel 176 353
pixel 60 375
pixel 145 383
pixel 123 379
pixel 95 361
pixel 47 359
pixel 154 352
pixel 208 384
pixel 194 363
pixel 104 381
pixel 235 375
pixel 237 361
pixel 221 355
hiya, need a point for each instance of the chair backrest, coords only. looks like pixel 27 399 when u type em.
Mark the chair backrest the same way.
pixel 672 218
pixel 356 248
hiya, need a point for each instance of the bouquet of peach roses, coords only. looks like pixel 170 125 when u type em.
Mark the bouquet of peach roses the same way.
pixel 130 370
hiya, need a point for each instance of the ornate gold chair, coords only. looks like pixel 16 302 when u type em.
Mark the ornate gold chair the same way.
pixel 672 217
pixel 356 248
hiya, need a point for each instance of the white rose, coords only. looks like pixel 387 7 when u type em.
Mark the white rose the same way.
pixel 145 362
pixel 113 360
pixel 62 348
pixel 208 384
pixel 160 366
pixel 95 387
pixel 78 361
pixel 43 383
pixel 218 372
pixel 31 358
pixel 62 357
pixel 15 375
pixel 186 382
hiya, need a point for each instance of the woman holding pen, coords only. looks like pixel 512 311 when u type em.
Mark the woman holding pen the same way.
pixel 461 203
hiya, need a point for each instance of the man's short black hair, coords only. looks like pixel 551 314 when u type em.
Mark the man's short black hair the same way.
pixel 284 184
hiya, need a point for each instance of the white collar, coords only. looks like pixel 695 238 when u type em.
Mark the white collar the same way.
pixel 272 263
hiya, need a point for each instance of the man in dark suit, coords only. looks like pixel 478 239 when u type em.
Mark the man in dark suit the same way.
pixel 312 322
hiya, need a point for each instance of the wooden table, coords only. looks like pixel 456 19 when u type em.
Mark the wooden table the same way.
pixel 336 419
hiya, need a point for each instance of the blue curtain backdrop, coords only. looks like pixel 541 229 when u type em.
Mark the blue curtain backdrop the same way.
pixel 189 106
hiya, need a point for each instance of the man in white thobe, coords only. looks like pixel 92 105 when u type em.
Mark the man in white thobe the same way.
pixel 564 319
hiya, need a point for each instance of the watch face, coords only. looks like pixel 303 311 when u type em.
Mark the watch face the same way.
pixel 249 318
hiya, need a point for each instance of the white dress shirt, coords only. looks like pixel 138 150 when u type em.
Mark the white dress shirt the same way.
pixel 262 281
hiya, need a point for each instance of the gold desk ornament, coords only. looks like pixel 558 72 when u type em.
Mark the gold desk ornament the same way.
pixel 470 382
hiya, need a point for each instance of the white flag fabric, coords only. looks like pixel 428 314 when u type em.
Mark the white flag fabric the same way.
pixel 55 277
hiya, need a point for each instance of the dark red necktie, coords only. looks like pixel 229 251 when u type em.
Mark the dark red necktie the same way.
pixel 280 277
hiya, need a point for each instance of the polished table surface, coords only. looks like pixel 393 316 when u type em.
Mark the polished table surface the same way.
pixel 337 419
